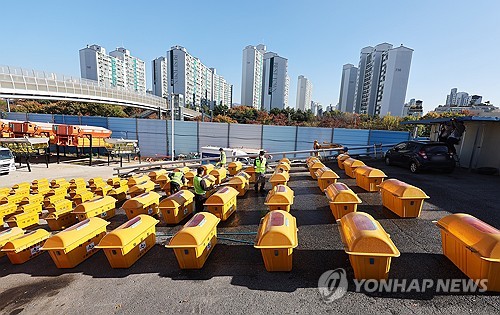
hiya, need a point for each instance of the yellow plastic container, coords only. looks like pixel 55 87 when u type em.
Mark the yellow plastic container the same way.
pixel 82 197
pixel 103 190
pixel 340 160
pixel 276 239
pixel 12 199
pixel 240 183
pixel 95 180
pixel 22 186
pixel 9 235
pixel 162 180
pixel 222 203
pixel 326 177
pixel 207 168
pixel 96 185
pixel 7 210
pixel 350 165
pixel 283 166
pixel 77 179
pixel 401 198
pixel 103 207
pixel 57 191
pixel 59 183
pixel 280 198
pixel 23 220
pixel 41 189
pixel 75 244
pixel 119 193
pixel 141 188
pixel 77 191
pixel 134 180
pixel 61 205
pixel 220 175
pixel 251 171
pixel 40 182
pixel 61 219
pixel 279 178
pixel 369 178
pixel 25 247
pixel 369 247
pixel 32 199
pixel 5 191
pixel 183 169
pixel 234 167
pixel 130 241
pixel 313 165
pixel 77 183
pixel 209 181
pixel 146 203
pixel 112 181
pixel 342 199
pixel 195 241
pixel 285 160
pixel 23 191
pixel 190 177
pixel 154 175
pixel 177 206
pixel 30 207
pixel 473 246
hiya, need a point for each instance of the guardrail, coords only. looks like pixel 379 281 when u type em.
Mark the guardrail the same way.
pixel 194 162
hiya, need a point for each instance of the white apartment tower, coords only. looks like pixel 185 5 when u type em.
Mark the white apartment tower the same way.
pixel 276 82
pixel 304 93
pixel 160 79
pixel 118 69
pixel 348 88
pixel 252 75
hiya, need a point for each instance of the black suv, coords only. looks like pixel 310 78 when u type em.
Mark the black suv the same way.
pixel 419 155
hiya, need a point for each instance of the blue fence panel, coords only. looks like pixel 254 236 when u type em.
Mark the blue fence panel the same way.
pixel 307 135
pixel 388 137
pixel 16 116
pixel 123 128
pixel 351 137
pixel 185 136
pixel 152 135
pixel 67 119
pixel 245 136
pixel 45 118
pixel 213 134
pixel 279 138
pixel 95 121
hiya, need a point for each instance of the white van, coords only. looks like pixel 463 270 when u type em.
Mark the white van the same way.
pixel 7 163
pixel 211 151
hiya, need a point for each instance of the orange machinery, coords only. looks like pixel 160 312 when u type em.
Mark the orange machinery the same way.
pixel 21 129
pixel 81 136
pixel 5 131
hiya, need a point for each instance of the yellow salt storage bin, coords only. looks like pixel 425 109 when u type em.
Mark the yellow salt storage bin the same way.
pixel 61 219
pixel 40 182
pixel 119 193
pixel 23 220
pixel 207 168
pixel 251 171
pixel 96 185
pixel 77 191
pixel 369 178
pixel 62 205
pixel 24 191
pixel 75 244
pixel 41 189
pixel 78 183
pixel 195 241
pixel 222 203
pixel 340 160
pixel 82 197
pixel 130 241
pixel 183 169
pixel 9 235
pixel 141 188
pixel 326 177
pixel 30 207
pixel 401 198
pixel 146 203
pixel 350 165
pixel 95 180
pixel 369 247
pixel 279 178
pixel 52 199
pixel 32 199
pixel 154 175
pixel 134 180
pixel 114 181
pixel 342 199
pixel 177 206
pixel 57 191
pixel 25 247
pixel 220 175
pixel 59 183
pixel 234 167
pixel 209 182
pixel 22 186
pixel 313 165
pixel 473 246
pixel 283 166
pixel 162 180
pixel 285 160
pixel 103 190
pixel 7 210
pixel 12 199
pixel 280 198
pixel 103 207
pixel 189 176
pixel 240 183
pixel 276 239
pixel 5 191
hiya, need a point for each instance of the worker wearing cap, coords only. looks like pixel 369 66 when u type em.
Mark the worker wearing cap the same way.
pixel 177 180
pixel 260 171
pixel 200 189
pixel 222 158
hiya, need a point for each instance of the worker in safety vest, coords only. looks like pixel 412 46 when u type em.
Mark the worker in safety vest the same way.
pixel 222 158
pixel 260 171
pixel 200 189
pixel 177 180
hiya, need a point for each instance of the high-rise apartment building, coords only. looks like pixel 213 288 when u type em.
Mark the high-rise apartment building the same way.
pixel 382 79
pixel 276 82
pixel 348 88
pixel 304 93
pixel 118 69
pixel 456 98
pixel 160 79
pixel 252 75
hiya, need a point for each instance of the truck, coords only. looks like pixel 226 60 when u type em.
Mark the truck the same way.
pixel 7 163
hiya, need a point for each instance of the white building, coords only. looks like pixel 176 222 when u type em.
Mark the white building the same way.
pixel 348 88
pixel 276 82
pixel 187 75
pixel 252 75
pixel 304 93
pixel 456 98
pixel 160 79
pixel 413 108
pixel 382 79
pixel 118 69
pixel 316 108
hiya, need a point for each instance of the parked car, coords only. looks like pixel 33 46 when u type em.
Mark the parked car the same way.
pixel 420 155
pixel 7 163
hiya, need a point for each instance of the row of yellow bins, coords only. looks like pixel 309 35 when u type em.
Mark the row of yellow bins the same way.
pixel 313 164
pixel 146 203
pixel 280 198
pixel 350 166
pixel 240 182
pixel 326 177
